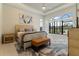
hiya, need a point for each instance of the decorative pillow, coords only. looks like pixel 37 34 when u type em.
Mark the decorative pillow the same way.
pixel 26 30
pixel 22 30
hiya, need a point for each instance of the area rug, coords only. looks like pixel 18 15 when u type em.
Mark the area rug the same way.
pixel 58 49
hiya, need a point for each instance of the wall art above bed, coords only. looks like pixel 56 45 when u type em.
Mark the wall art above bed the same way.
pixel 24 19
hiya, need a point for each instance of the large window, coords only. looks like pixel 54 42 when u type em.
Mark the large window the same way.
pixel 61 24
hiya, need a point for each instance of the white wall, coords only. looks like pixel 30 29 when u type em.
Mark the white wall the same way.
pixel 0 20
pixel 71 9
pixel 11 18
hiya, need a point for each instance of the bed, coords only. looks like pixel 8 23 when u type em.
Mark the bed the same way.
pixel 24 35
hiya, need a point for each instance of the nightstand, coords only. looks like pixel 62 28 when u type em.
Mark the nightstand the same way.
pixel 8 38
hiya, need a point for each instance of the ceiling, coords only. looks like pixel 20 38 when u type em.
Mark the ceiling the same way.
pixel 49 6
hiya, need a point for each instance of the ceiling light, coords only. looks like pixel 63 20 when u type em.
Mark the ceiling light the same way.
pixel 44 7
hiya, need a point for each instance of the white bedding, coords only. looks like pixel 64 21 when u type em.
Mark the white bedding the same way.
pixel 28 36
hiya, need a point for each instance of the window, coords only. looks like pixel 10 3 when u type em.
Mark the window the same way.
pixel 61 24
pixel 41 24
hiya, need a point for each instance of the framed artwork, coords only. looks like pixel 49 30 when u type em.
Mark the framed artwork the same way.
pixel 24 19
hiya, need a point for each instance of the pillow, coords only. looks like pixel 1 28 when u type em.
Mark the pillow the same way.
pixel 22 30
pixel 28 30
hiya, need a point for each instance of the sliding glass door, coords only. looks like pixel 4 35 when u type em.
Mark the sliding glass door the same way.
pixel 51 27
pixel 55 27
pixel 60 27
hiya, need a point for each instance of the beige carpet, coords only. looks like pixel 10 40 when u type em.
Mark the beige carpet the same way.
pixel 8 50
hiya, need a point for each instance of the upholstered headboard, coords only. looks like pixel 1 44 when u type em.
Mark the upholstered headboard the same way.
pixel 18 27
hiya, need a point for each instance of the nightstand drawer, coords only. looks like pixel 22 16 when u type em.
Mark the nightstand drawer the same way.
pixel 8 38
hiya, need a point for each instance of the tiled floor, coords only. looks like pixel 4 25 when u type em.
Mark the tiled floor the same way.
pixel 8 50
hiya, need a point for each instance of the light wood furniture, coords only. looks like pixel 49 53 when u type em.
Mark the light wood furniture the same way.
pixel 73 42
pixel 8 37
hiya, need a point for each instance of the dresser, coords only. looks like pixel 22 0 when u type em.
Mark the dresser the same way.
pixel 73 42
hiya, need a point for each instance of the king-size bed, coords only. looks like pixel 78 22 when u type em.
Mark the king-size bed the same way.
pixel 24 35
